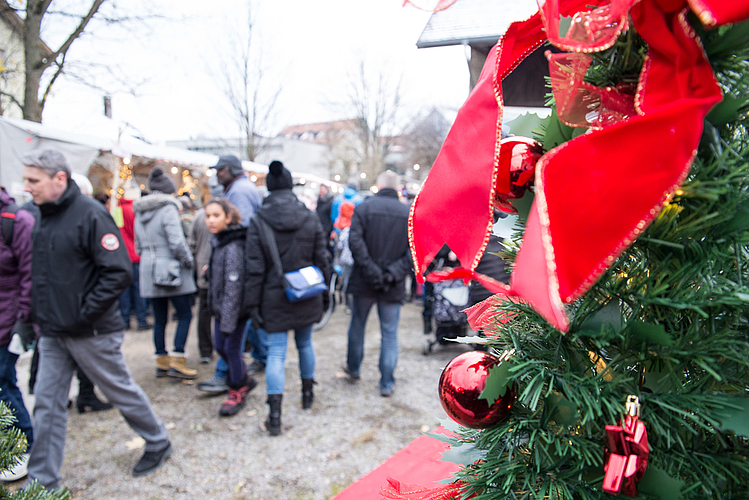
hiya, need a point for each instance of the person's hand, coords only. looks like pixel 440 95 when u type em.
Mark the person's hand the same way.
pixel 388 280
pixel 203 270
pixel 257 321
pixel 25 331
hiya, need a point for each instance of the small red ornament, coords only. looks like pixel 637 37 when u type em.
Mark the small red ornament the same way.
pixel 461 384
pixel 517 167
pixel 626 456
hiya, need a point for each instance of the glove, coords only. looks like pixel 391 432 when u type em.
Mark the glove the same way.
pixel 325 301
pixel 257 320
pixel 25 331
pixel 388 280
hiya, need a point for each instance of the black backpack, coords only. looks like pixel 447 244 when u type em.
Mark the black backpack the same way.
pixel 7 219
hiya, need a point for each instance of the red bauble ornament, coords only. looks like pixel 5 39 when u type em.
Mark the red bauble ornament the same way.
pixel 461 384
pixel 517 168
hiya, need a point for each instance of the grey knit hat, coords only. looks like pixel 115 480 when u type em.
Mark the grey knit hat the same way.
pixel 157 181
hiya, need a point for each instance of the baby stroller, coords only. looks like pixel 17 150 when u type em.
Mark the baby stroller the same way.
pixel 446 301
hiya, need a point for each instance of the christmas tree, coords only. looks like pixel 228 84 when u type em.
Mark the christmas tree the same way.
pixel 652 307
pixel 12 446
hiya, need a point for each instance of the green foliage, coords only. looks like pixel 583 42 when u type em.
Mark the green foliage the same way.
pixel 668 323
pixel 12 446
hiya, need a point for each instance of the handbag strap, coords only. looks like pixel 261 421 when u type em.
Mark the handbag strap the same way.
pixel 266 233
pixel 150 245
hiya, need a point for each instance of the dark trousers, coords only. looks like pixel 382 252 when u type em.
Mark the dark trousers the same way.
pixel 230 349
pixel 130 300
pixel 10 394
pixel 205 340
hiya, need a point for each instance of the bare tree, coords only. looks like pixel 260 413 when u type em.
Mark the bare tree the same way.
pixel 245 83
pixel 44 65
pixel 375 99
pixel 423 141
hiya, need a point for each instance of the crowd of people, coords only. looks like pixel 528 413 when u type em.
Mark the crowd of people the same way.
pixel 72 276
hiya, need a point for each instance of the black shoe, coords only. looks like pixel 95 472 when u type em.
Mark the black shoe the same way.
pixel 273 422
pixel 255 367
pixel 308 394
pixel 151 461
pixel 351 374
pixel 144 327
pixel 91 402
pixel 215 385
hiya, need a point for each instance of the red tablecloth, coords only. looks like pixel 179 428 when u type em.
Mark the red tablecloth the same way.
pixel 417 463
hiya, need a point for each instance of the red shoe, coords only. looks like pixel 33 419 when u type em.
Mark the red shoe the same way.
pixel 236 399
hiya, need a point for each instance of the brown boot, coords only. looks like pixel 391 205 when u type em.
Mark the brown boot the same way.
pixel 178 369
pixel 162 365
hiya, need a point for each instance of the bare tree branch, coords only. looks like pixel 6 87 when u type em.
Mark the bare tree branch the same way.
pixel 244 82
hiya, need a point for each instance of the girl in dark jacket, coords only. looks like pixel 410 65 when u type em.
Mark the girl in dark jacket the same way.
pixel 226 297
pixel 301 242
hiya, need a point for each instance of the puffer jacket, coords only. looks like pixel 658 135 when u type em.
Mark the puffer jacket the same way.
pixel 226 278
pixel 157 220
pixel 15 271
pixel 301 243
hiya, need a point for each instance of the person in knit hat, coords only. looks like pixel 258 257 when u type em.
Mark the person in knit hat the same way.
pixel 157 181
pixel 300 242
pixel 163 250
pixel 278 177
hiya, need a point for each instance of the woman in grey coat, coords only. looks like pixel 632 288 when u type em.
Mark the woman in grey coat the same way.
pixel 165 270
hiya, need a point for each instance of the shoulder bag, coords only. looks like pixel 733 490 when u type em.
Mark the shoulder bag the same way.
pixel 165 271
pixel 302 284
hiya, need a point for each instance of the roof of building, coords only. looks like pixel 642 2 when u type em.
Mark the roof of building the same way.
pixel 316 132
pixel 474 22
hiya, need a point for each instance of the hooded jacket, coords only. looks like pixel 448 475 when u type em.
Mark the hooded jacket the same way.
pixel 158 233
pixel 226 278
pixel 79 267
pixel 15 271
pixel 301 242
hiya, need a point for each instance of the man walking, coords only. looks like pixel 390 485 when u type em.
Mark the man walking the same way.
pixel 378 240
pixel 243 194
pixel 79 269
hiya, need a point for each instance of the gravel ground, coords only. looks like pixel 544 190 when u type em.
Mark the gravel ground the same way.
pixel 348 432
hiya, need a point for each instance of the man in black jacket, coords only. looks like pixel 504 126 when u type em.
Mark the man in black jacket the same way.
pixel 379 243
pixel 79 269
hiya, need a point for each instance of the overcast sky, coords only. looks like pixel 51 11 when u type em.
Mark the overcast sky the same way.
pixel 309 46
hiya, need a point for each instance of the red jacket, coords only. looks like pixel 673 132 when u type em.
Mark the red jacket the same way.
pixel 128 229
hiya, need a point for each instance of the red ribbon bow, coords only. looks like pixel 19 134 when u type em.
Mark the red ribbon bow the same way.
pixel 596 193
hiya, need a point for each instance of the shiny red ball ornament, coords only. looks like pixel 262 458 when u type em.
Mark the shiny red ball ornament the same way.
pixel 461 384
pixel 517 169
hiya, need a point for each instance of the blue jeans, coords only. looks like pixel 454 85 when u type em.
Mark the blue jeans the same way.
pixel 131 300
pixel 275 372
pixel 389 313
pixel 11 395
pixel 184 316
pixel 258 338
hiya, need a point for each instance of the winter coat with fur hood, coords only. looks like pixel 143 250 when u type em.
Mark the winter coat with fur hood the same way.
pixel 158 233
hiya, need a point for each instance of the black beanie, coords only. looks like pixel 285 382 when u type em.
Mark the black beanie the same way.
pixel 157 181
pixel 278 177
